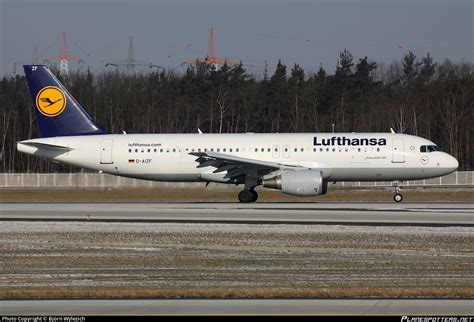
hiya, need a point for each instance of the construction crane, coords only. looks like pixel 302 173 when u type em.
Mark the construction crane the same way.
pixel 211 57
pixel 130 63
pixel 64 58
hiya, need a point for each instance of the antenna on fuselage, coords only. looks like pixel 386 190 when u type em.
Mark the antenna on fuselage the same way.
pixel 392 131
pixel 199 131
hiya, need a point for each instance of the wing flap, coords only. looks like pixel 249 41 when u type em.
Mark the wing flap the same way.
pixel 237 166
pixel 227 158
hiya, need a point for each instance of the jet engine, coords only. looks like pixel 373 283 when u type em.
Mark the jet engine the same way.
pixel 298 183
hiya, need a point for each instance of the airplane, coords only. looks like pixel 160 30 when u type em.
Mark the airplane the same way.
pixel 299 164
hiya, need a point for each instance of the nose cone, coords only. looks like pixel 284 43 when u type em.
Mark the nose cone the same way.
pixel 453 163
pixel 449 163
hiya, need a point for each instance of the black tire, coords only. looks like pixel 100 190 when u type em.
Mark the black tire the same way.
pixel 398 197
pixel 245 196
pixel 255 195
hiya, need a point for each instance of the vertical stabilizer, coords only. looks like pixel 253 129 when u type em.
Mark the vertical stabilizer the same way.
pixel 57 112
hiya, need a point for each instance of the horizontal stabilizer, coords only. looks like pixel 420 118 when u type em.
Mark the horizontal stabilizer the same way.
pixel 47 146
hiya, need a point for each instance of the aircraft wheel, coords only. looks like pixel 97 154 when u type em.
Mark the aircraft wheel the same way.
pixel 246 196
pixel 254 195
pixel 398 197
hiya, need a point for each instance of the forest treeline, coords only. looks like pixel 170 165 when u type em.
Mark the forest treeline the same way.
pixel 415 96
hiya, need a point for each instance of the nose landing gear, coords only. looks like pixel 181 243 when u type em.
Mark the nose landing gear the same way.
pixel 398 196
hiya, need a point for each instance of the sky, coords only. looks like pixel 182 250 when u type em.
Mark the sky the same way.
pixel 257 32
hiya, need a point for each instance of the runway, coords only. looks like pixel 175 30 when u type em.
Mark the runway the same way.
pixel 432 214
pixel 230 250
pixel 346 306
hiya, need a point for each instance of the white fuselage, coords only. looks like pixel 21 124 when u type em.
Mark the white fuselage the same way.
pixel 165 157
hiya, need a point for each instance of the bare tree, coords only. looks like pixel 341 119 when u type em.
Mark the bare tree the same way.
pixel 222 103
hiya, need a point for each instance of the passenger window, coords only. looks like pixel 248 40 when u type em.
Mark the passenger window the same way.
pixel 154 150
pixel 148 150
pixel 230 150
pixel 129 150
pixel 256 150
pixel 296 150
pixel 237 150
pixel 223 150
pixel 161 150
pixel 174 150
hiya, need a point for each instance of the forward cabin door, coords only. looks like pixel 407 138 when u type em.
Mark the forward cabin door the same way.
pixel 106 152
pixel 398 155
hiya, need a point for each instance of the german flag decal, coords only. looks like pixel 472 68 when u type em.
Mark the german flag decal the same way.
pixel 131 160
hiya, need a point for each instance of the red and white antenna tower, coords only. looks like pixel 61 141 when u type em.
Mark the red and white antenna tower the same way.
pixel 211 58
pixel 64 57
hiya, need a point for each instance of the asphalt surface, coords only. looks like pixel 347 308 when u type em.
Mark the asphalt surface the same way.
pixel 346 306
pixel 383 214
pixel 429 214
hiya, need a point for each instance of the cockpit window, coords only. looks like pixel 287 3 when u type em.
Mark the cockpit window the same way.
pixel 429 148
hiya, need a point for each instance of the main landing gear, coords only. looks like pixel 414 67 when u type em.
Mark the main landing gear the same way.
pixel 398 196
pixel 247 196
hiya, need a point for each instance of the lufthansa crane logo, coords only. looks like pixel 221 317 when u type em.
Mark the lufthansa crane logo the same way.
pixel 51 101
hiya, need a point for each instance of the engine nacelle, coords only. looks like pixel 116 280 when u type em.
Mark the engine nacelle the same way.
pixel 299 183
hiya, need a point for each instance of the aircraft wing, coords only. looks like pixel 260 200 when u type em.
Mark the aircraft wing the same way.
pixel 238 166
